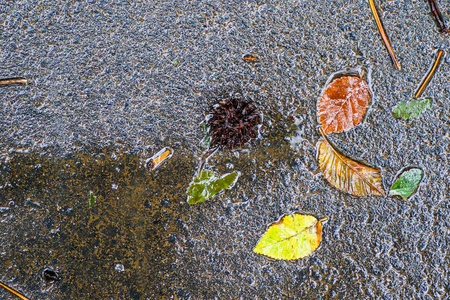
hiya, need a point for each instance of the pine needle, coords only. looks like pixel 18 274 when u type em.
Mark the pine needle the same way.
pixel 430 74
pixel 17 80
pixel 13 291
pixel 384 36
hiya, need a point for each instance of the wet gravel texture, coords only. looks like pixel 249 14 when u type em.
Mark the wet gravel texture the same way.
pixel 111 84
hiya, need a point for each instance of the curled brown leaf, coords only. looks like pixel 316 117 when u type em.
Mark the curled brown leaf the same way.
pixel 348 175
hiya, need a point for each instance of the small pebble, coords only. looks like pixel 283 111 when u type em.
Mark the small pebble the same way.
pixel 119 268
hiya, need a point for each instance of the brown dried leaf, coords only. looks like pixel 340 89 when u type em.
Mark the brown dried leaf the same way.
pixel 343 104
pixel 348 175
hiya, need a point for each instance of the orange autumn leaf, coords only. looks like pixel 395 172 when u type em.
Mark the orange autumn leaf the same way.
pixel 343 104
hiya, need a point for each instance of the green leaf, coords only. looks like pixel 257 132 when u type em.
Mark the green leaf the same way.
pixel 222 183
pixel 206 141
pixel 294 237
pixel 206 185
pixel 92 199
pixel 407 183
pixel 411 109
pixel 217 75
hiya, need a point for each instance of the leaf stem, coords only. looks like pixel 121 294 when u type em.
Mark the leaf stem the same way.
pixel 206 154
pixel 13 291
pixel 384 36
pixel 430 74
pixel 323 219
pixel 322 133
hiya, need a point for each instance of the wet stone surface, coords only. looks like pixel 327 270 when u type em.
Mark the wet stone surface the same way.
pixel 112 84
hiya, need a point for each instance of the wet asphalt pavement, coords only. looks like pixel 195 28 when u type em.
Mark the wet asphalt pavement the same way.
pixel 113 83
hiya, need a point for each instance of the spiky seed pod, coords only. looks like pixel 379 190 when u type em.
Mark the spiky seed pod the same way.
pixel 233 122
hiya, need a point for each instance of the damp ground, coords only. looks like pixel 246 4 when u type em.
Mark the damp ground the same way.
pixel 112 84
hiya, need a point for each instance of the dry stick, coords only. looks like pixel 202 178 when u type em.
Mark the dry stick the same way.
pixel 13 291
pixel 384 36
pixel 438 16
pixel 430 74
pixel 17 80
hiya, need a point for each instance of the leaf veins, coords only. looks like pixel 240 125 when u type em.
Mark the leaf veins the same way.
pixel 348 175
pixel 343 104
pixel 294 237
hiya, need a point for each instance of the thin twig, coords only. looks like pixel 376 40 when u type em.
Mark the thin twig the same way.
pixel 430 74
pixel 384 36
pixel 438 16
pixel 17 80
pixel 13 291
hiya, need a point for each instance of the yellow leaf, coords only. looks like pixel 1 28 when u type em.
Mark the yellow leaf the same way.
pixel 294 237
pixel 348 175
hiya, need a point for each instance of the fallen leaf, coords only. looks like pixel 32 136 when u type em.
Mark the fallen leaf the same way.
pixel 411 109
pixel 348 175
pixel 206 185
pixel 294 237
pixel 407 183
pixel 343 104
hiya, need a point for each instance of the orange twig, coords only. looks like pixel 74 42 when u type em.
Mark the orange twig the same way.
pixel 13 291
pixel 18 80
pixel 430 74
pixel 384 36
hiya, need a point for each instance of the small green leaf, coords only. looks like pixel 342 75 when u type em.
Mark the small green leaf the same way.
pixel 207 185
pixel 92 199
pixel 407 183
pixel 222 183
pixel 216 75
pixel 411 109
pixel 206 141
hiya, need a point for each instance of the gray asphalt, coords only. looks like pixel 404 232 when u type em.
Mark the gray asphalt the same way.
pixel 134 76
